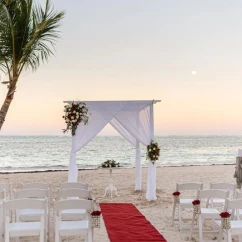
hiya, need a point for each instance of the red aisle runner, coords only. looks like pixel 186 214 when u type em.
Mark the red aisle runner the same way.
pixel 124 223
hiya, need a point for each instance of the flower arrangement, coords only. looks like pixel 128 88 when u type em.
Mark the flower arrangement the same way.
pixel 75 113
pixel 196 207
pixel 153 151
pixel 109 163
pixel 225 220
pixel 176 193
pixel 176 197
pixel 95 215
pixel 196 202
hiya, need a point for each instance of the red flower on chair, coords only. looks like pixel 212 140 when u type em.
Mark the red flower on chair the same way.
pixel 176 193
pixel 96 213
pixel 196 202
pixel 225 215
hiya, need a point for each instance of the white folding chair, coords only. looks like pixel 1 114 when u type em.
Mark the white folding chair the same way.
pixel 19 229
pixel 74 214
pixel 236 222
pixel 73 228
pixel 185 203
pixel 2 198
pixel 75 193
pixel 238 195
pixel 32 215
pixel 207 213
pixel 7 187
pixel 73 185
pixel 223 186
pixel 38 185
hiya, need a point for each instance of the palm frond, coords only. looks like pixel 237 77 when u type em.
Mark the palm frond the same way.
pixel 43 36
pixel 28 33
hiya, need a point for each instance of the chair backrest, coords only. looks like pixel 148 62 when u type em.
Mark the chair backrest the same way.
pixel 224 186
pixel 31 193
pixel 71 185
pixel 24 203
pixel 73 204
pixel 233 205
pixel 189 186
pixel 79 193
pixel 212 193
pixel 8 189
pixel 38 185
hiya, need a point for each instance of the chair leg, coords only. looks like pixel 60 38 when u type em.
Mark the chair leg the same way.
pixel 42 236
pixel 6 237
pixel 179 217
pixel 229 238
pixel 192 225
pixel 57 236
pixel 200 226
pixel 220 234
pixel 173 214
pixel 240 238
pixel 90 234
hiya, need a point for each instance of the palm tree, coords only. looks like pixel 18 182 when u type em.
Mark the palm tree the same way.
pixel 28 33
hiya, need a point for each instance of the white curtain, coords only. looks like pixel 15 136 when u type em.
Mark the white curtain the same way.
pixel 133 123
pixel 132 119
pixel 99 116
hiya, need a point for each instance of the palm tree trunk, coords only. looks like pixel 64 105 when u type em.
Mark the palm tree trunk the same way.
pixel 6 105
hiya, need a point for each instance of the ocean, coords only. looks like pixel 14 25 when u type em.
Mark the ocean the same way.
pixel 30 153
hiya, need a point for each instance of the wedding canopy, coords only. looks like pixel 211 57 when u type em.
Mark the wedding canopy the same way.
pixel 134 120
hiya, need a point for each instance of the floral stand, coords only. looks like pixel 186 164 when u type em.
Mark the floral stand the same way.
pixel 111 188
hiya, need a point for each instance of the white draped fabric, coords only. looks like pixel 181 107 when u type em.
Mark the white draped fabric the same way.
pixel 132 119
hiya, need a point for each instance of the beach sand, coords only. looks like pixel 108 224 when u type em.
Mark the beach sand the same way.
pixel 157 212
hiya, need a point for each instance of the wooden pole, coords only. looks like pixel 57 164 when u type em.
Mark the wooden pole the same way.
pixel 238 171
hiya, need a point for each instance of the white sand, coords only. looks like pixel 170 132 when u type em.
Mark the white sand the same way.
pixel 157 212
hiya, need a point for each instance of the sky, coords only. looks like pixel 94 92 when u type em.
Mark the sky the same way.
pixel 188 54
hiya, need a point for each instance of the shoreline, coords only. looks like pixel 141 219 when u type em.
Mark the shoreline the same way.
pixel 97 168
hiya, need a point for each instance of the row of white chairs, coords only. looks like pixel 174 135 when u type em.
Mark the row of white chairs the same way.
pixel 32 208
pixel 233 206
pixel 213 200
pixel 188 194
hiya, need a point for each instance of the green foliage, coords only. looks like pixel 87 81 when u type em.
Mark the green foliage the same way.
pixel 108 163
pixel 28 33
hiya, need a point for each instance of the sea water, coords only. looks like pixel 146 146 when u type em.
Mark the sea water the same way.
pixel 25 153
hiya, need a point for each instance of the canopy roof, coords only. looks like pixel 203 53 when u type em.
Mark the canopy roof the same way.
pixel 133 119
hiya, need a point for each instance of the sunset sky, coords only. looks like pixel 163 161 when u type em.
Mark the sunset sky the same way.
pixel 188 54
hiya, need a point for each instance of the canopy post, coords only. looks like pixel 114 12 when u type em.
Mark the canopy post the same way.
pixel 138 168
pixel 151 179
pixel 73 170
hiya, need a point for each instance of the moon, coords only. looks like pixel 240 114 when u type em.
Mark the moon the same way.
pixel 194 72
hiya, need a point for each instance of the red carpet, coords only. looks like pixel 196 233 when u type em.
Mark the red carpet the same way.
pixel 124 223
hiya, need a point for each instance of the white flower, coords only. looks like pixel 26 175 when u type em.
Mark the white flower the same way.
pixel 72 117
pixel 154 156
pixel 153 148
pixel 74 111
pixel 149 149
